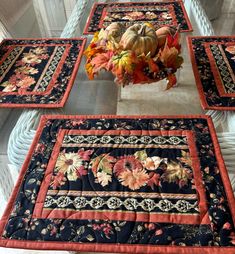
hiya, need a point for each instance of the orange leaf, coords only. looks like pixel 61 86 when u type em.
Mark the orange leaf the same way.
pixel 170 57
pixel 89 70
pixel 153 66
pixel 92 50
pixel 101 61
pixel 171 81
pixel 154 180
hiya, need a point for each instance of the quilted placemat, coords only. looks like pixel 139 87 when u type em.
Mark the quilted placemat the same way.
pixel 121 184
pixel 167 13
pixel 213 60
pixel 38 72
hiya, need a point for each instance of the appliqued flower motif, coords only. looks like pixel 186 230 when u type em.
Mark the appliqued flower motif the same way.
pixel 127 163
pixel 40 50
pixel 166 15
pixel 26 70
pixel 104 178
pixel 152 163
pixel 150 15
pixel 16 78
pixel 72 164
pixel 136 15
pixel 26 82
pixel 134 179
pixel 67 162
pixel 31 58
pixel 186 158
pixel 102 168
pixel 175 173
pixel 58 180
pixel 154 179
pixel 9 87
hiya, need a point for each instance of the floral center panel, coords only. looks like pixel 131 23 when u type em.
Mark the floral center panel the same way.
pixel 157 16
pixel 222 60
pixel 32 69
pixel 157 13
pixel 136 176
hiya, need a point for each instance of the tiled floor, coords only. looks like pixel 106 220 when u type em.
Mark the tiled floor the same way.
pixel 135 100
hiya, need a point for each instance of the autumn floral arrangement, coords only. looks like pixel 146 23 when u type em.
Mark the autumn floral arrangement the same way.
pixel 136 55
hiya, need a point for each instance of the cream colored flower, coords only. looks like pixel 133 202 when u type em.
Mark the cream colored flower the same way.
pixel 104 178
pixel 68 163
pixel 166 15
pixel 152 163
pixel 9 87
pixel 40 50
pixel 150 15
pixel 26 70
pixel 30 58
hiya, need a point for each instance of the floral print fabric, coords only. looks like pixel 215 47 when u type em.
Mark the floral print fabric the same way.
pixel 37 73
pixel 86 174
pixel 159 14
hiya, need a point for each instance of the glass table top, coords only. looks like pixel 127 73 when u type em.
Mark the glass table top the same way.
pixel 100 96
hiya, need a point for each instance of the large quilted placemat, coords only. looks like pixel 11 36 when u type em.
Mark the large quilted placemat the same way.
pixel 167 13
pixel 213 59
pixel 123 184
pixel 38 72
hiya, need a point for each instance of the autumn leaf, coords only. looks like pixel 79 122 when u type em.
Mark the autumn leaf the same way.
pixel 101 61
pixel 170 57
pixel 138 75
pixel 89 70
pixel 93 50
pixel 85 154
pixel 153 67
pixel 124 62
pixel 154 180
pixel 95 37
pixel 186 158
pixel 174 41
pixel 171 81
pixel 141 155
pixel 103 163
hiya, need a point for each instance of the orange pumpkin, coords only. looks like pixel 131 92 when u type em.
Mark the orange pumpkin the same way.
pixel 162 34
pixel 141 39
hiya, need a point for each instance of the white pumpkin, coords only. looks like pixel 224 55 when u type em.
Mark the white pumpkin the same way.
pixel 142 39
pixel 114 30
